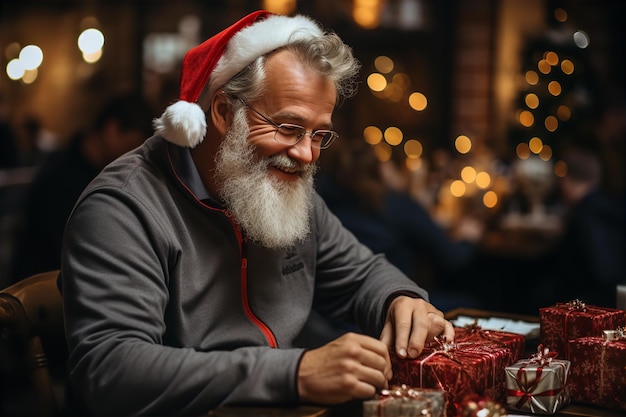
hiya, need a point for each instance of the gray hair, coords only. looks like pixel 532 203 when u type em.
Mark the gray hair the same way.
pixel 327 54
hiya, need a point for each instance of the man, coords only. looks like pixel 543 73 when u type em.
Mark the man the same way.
pixel 191 265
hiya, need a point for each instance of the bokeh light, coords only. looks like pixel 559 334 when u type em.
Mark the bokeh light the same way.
pixel 393 136
pixel 463 144
pixel 376 82
pixel 418 101
pixel 383 64
pixel 413 149
pixel 490 199
pixel 372 135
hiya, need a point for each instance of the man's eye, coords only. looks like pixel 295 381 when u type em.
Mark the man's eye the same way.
pixel 290 130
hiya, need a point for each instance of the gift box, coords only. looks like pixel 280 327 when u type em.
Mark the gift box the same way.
pixel 404 401
pixel 573 320
pixel 473 333
pixel 598 374
pixel 460 369
pixel 538 384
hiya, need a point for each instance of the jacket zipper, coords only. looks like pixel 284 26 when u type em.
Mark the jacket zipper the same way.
pixel 243 248
pixel 243 251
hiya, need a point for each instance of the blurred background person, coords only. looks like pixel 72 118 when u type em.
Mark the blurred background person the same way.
pixel 588 261
pixel 372 200
pixel 123 123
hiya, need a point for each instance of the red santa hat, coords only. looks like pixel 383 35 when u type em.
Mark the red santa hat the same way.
pixel 215 61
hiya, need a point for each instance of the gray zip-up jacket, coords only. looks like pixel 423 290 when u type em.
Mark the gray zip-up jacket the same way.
pixel 169 310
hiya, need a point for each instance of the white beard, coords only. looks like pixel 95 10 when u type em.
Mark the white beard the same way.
pixel 272 213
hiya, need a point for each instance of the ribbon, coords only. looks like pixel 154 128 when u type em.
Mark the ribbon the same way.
pixel 400 391
pixel 543 357
pixel 574 305
pixel 617 334
pixel 452 350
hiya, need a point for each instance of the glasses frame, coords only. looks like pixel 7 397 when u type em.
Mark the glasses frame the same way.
pixel 304 132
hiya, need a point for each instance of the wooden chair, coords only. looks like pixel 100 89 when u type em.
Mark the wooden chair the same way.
pixel 32 311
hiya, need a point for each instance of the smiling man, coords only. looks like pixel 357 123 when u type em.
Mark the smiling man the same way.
pixel 191 264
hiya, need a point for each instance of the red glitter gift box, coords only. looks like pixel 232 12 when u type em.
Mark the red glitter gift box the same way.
pixel 598 374
pixel 572 320
pixel 475 334
pixel 460 369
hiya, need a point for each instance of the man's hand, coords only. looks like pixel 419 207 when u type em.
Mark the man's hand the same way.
pixel 354 366
pixel 411 323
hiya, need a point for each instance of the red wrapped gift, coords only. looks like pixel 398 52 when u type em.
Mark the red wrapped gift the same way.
pixel 460 369
pixel 598 374
pixel 575 319
pixel 475 334
pixel 538 384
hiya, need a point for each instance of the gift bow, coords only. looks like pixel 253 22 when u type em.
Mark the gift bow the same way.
pixel 543 356
pixel 617 334
pixel 400 391
pixel 574 305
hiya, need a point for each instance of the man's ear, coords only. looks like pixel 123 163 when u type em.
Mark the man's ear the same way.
pixel 221 112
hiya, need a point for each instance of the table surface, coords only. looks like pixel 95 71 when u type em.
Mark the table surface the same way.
pixel 355 408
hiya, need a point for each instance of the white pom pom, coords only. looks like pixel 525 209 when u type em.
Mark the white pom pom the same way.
pixel 182 123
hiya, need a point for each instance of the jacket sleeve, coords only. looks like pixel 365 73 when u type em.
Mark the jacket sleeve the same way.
pixel 115 291
pixel 352 283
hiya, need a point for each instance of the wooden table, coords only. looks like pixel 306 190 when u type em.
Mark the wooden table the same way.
pixel 354 409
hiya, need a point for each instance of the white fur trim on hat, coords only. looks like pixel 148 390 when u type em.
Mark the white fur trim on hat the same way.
pixel 258 39
pixel 182 123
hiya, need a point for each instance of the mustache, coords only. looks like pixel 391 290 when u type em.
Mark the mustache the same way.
pixel 284 162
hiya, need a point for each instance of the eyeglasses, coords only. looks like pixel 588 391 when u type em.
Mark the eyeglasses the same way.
pixel 291 134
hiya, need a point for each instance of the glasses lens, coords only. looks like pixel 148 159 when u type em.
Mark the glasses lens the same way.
pixel 323 138
pixel 290 134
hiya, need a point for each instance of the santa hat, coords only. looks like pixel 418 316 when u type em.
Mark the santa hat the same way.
pixel 217 60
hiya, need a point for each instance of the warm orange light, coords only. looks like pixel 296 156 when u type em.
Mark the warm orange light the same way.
pixel 413 164
pixel 383 64
pixel 532 101
pixel 372 135
pixel 468 174
pixel 552 58
pixel 560 169
pixel 393 136
pixel 376 82
pixel 483 179
pixel 522 151
pixel 383 152
pixel 551 123
pixel 413 149
pixel 457 188
pixel 532 77
pixel 546 153
pixel 560 15
pixel 535 145
pixel 418 101
pixel 567 66
pixel 526 118
pixel 544 67
pixel 463 144
pixel 554 88
pixel 563 112
pixel 490 199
